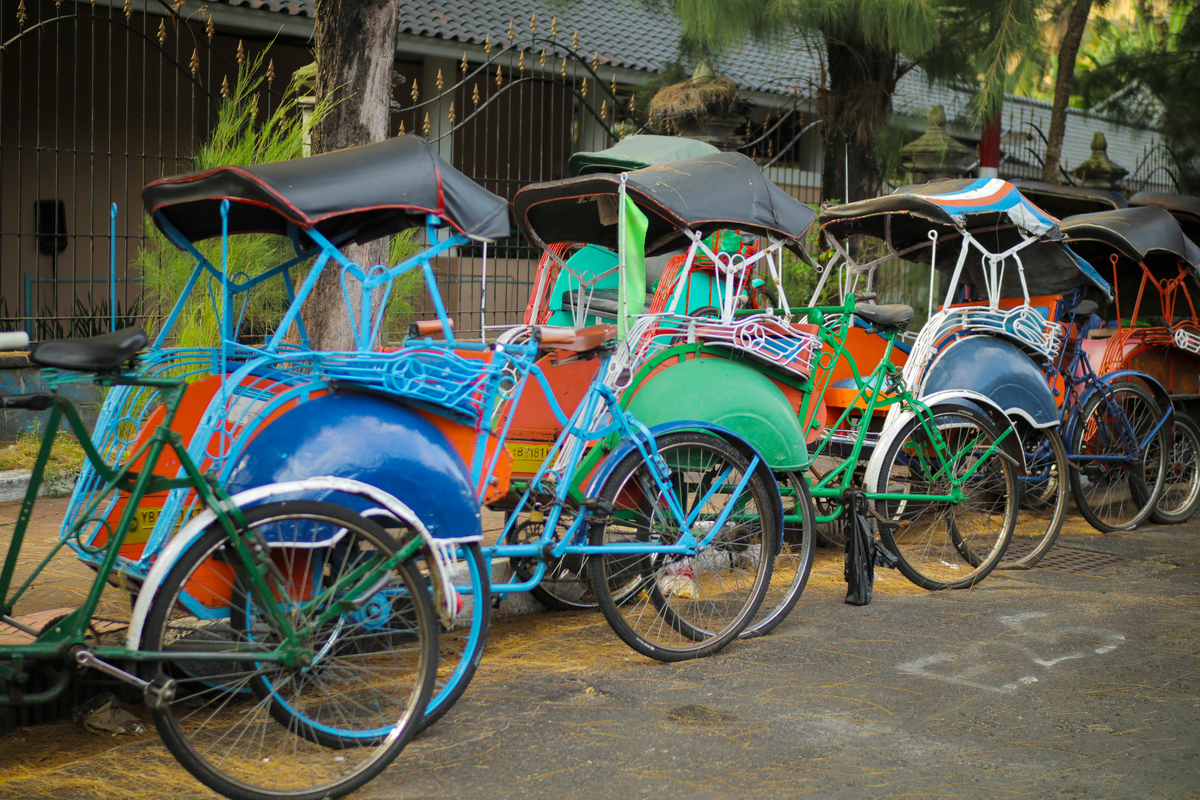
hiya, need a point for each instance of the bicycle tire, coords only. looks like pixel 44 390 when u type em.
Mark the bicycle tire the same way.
pixel 793 563
pixel 672 613
pixel 232 740
pixel 459 652
pixel 943 544
pixel 564 585
pixel 1045 495
pixel 1117 497
pixel 1181 490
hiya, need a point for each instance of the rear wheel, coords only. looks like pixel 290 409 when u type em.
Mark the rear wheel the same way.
pixel 1181 488
pixel 793 563
pixel 1044 496
pixel 679 607
pixel 943 544
pixel 1120 466
pixel 259 730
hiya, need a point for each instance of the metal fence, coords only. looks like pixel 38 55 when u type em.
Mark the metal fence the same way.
pixel 98 98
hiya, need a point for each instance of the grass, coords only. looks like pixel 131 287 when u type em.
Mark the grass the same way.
pixel 66 456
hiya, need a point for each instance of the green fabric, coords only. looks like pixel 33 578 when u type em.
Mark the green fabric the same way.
pixel 632 251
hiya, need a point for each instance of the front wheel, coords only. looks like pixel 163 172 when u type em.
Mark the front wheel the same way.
pixel 1120 465
pixel 1044 498
pixel 948 543
pixel 1181 489
pixel 676 606
pixel 257 729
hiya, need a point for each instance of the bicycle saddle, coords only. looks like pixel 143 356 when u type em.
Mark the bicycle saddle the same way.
pixel 95 354
pixel 582 339
pixel 886 316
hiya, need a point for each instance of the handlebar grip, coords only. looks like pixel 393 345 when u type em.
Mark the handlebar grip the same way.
pixel 556 335
pixel 860 296
pixel 14 340
pixel 428 327
pixel 36 401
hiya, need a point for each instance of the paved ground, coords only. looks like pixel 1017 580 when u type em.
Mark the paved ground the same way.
pixel 1040 684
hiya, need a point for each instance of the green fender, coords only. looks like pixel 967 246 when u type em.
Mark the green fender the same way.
pixel 729 393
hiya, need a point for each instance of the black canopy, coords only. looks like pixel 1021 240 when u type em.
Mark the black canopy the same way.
pixel 1137 233
pixel 1063 201
pixel 1183 208
pixel 706 193
pixel 949 206
pixel 377 189
pixel 1143 234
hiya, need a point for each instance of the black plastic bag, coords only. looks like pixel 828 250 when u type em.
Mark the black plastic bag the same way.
pixel 860 553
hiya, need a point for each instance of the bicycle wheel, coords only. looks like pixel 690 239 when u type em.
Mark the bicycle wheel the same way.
pixel 1044 493
pixel 461 649
pixel 565 585
pixel 944 544
pixel 1181 488
pixel 680 607
pixel 793 563
pixel 254 730
pixel 1116 495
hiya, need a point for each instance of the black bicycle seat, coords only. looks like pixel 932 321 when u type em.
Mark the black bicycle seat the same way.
pixel 95 354
pixel 1086 308
pixel 887 316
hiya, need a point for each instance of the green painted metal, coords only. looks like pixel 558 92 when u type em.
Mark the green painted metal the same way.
pixel 730 393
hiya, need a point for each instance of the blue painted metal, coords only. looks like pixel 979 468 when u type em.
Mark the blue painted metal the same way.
pixel 658 431
pixel 997 369
pixel 1161 396
pixel 367 438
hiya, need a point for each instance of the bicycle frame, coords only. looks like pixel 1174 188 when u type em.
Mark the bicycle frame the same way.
pixel 882 388
pixel 570 458
pixel 71 631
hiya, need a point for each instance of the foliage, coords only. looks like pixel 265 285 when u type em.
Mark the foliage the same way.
pixel 66 455
pixel 1145 68
pixel 239 139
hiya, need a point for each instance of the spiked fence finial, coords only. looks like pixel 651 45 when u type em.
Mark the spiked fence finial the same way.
pixel 464 62
pixel 451 114
pixel 128 9
pixel 241 53
pixel 439 82
pixel 195 65
pixel 21 15
pixel 596 61
pixel 554 26
pixel 542 58
pixel 499 76
pixel 401 131
pixel 533 23
pixel 427 127
pixel 512 33
pixel 210 30
pixel 583 88
pixel 487 44
pixel 415 93
pixel 521 62
pixel 271 71
pixel 162 32
pixel 475 95
pixel 225 87
pixel 575 41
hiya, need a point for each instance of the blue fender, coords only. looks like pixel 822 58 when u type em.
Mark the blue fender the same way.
pixel 1161 396
pixel 997 369
pixel 741 443
pixel 373 440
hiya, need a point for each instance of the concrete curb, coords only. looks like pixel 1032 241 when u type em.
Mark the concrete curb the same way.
pixel 14 483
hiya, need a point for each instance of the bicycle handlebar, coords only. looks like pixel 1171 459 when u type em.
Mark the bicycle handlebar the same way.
pixel 14 340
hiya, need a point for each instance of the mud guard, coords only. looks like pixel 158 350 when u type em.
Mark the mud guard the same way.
pixel 1159 392
pixel 938 402
pixel 744 447
pixel 730 394
pixel 370 439
pixel 194 528
pixel 996 369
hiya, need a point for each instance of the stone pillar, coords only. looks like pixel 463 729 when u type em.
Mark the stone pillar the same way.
pixel 934 154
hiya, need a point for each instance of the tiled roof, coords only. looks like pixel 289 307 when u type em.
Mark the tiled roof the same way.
pixel 626 33
pixel 294 7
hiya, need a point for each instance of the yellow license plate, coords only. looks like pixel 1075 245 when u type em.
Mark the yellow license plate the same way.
pixel 144 521
pixel 528 456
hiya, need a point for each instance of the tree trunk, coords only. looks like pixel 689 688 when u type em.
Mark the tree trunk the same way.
pixel 1068 50
pixel 854 108
pixel 355 46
